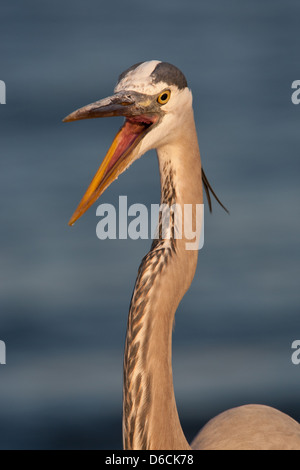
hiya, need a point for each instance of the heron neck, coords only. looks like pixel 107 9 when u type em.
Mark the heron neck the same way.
pixel 150 417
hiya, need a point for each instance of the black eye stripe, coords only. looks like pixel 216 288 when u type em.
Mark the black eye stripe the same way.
pixel 169 74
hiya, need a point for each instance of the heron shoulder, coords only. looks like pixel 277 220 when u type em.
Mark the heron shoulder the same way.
pixel 249 427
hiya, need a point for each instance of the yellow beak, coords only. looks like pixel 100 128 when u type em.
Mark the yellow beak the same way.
pixel 121 152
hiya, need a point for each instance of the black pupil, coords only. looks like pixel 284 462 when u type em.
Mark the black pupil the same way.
pixel 164 97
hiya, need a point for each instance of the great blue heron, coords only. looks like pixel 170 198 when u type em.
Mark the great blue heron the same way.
pixel 157 105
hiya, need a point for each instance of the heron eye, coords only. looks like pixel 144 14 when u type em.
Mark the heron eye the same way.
pixel 164 97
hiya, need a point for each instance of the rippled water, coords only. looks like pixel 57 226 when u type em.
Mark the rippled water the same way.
pixel 65 294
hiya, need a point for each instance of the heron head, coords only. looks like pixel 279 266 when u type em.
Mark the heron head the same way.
pixel 154 99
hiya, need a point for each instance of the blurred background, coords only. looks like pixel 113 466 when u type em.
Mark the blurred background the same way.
pixel 65 294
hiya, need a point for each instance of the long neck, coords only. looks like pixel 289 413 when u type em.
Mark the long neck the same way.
pixel 150 418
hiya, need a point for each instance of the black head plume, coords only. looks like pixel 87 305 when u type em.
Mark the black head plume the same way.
pixel 209 189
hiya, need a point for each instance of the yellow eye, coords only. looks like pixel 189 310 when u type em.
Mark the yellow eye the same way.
pixel 164 97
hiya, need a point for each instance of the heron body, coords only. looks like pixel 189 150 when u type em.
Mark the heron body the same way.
pixel 157 105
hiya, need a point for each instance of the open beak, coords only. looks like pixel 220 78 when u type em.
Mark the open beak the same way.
pixel 139 119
